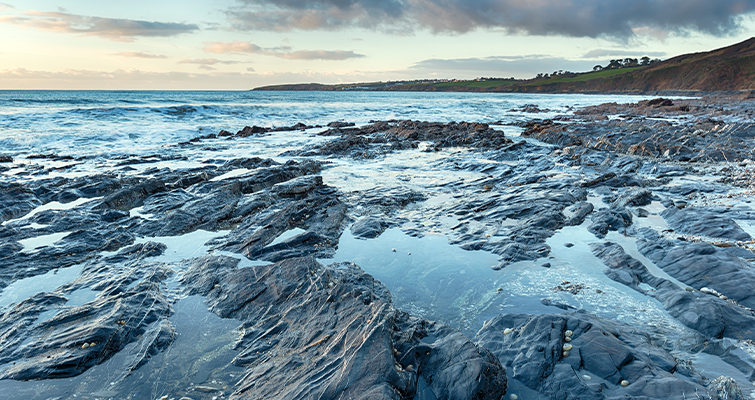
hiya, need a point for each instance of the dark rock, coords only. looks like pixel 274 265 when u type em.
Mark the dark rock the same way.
pixel 633 197
pixel 78 338
pixel 367 228
pixel 250 131
pixel 609 219
pixel 705 222
pixel 659 102
pixel 340 124
pixel 532 348
pixel 577 213
pixel 701 265
pixel 16 201
pixel 224 133
pixel 710 315
pixel 726 388
pixel 6 159
pixel 337 319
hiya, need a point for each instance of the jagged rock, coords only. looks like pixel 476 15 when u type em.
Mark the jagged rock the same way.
pixel 697 221
pixel 367 228
pixel 533 349
pixel 695 264
pixel 329 332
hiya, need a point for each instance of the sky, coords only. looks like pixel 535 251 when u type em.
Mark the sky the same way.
pixel 242 44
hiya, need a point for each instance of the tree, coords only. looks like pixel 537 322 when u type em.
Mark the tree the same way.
pixel 645 60
pixel 614 64
pixel 597 68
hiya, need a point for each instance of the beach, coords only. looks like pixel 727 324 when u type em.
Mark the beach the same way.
pixel 376 245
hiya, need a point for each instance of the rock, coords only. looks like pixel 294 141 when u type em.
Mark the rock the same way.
pixel 704 222
pixel 609 219
pixel 633 197
pixel 726 388
pixel 16 201
pixel 709 315
pixel 367 228
pixel 337 319
pixel 76 339
pixel 340 124
pixel 250 131
pixel 577 213
pixel 695 263
pixel 609 350
pixel 6 159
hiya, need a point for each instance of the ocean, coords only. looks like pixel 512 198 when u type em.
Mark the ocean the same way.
pixel 86 123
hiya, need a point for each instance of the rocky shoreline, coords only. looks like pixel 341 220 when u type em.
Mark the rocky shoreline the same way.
pixel 659 193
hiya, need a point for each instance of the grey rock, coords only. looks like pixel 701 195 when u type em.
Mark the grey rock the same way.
pixel 367 228
pixel 700 221
pixel 338 335
pixel 609 350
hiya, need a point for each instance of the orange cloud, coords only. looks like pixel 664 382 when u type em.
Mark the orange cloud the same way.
pixel 238 47
pixel 118 29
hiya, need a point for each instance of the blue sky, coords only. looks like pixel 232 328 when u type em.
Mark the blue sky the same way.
pixel 240 44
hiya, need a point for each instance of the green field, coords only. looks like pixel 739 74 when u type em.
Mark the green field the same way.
pixel 583 77
pixel 476 84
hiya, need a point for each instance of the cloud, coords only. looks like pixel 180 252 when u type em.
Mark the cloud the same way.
pixel 320 55
pixel 621 53
pixel 6 6
pixel 579 18
pixel 124 30
pixel 237 47
pixel 502 67
pixel 21 78
pixel 139 54
pixel 207 61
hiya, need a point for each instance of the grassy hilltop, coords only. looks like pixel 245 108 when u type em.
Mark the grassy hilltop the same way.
pixel 728 68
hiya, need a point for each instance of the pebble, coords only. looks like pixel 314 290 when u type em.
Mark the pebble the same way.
pixel 625 383
pixel 507 331
pixel 586 377
pixel 567 346
pixel 568 333
pixel 512 396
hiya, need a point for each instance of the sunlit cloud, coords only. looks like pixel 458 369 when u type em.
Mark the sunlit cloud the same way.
pixel 603 53
pixel 207 61
pixel 6 6
pixel 587 18
pixel 238 47
pixel 139 54
pixel 500 67
pixel 118 29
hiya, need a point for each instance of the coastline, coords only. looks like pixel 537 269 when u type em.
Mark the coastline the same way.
pixel 634 208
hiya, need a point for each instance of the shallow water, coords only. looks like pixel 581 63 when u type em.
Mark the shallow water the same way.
pixel 197 364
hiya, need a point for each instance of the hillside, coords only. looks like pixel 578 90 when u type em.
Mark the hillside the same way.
pixel 728 68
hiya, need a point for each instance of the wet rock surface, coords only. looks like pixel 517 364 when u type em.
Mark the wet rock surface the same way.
pixel 623 244
pixel 577 356
pixel 315 331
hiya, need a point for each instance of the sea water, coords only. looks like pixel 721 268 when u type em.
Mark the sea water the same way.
pixel 88 123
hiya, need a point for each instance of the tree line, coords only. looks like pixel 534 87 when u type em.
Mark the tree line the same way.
pixel 613 64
